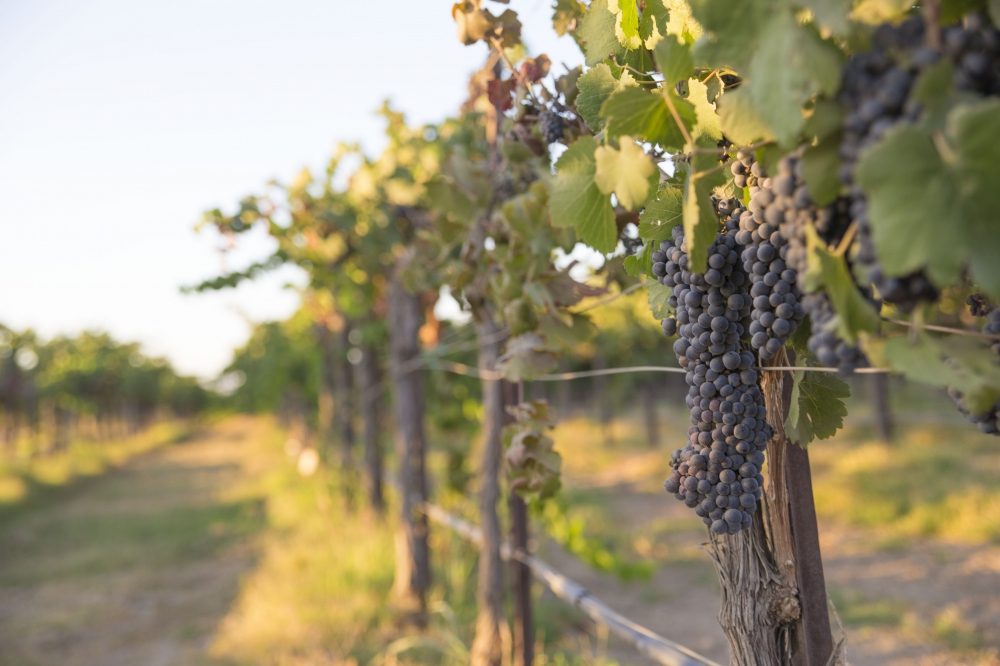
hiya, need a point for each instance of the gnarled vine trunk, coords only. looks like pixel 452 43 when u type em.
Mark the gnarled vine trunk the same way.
pixel 774 606
pixel 487 647
pixel 413 573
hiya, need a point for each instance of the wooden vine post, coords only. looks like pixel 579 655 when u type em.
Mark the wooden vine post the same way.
pixel 774 604
pixel 524 628
pixel 487 647
pixel 413 572
pixel 369 384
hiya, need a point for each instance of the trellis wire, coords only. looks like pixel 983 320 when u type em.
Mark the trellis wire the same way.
pixel 470 371
pixel 656 647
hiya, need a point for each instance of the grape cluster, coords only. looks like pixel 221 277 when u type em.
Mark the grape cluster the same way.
pixel 824 343
pixel 875 91
pixel 792 209
pixel 718 471
pixel 974 48
pixel 774 286
pixel 552 126
pixel 989 421
pixel 746 171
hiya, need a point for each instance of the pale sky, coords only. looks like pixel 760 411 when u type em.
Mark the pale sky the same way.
pixel 121 121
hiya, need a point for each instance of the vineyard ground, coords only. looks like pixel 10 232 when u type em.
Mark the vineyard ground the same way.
pixel 215 551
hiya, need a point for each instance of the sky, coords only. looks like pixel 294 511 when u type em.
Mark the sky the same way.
pixel 122 121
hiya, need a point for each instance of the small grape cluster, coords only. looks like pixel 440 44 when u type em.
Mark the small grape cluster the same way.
pixel 718 471
pixel 774 286
pixel 989 421
pixel 552 126
pixel 747 172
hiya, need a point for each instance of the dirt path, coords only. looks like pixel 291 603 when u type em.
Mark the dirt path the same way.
pixel 135 567
pixel 889 600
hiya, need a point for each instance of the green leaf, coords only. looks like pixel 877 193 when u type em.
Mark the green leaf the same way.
pixel 817 408
pixel 701 225
pixel 661 214
pixel 673 59
pixel 820 166
pixel 657 296
pixel 653 21
pixel 641 263
pixel 830 14
pixel 994 9
pixel 824 120
pixel 961 363
pixel 829 271
pixel 917 180
pixel 739 119
pixel 785 63
pixel 636 112
pixel 597 31
pixel 790 65
pixel 594 88
pixel 627 23
pixel 708 126
pixel 625 171
pixel 730 30
pixel 526 356
pixel 575 200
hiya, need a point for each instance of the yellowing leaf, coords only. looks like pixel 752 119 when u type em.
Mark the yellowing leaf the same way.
pixel 625 171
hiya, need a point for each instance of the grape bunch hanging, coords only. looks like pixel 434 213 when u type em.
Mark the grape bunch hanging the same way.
pixel 718 471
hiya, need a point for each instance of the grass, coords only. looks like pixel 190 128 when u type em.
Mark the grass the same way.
pixel 320 592
pixel 24 480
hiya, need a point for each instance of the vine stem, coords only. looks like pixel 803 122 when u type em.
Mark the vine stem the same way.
pixel 677 119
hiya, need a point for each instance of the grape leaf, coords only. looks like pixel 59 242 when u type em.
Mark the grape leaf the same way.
pixel 641 263
pixel 739 118
pixel 636 112
pixel 708 120
pixel 701 225
pixel 681 22
pixel 830 14
pixel 626 171
pixel 673 59
pixel 817 408
pixel 828 270
pixel 595 87
pixel 657 297
pixel 820 167
pixel 653 22
pixel 576 201
pixel 597 31
pixel 785 63
pixel 790 66
pixel 661 214
pixel 526 356
pixel 952 362
pixel 626 23
pixel 917 180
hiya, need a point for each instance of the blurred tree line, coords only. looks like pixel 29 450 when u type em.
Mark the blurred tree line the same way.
pixel 87 385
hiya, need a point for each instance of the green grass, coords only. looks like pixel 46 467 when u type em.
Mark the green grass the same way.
pixel 321 587
pixel 27 481
pixel 856 610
